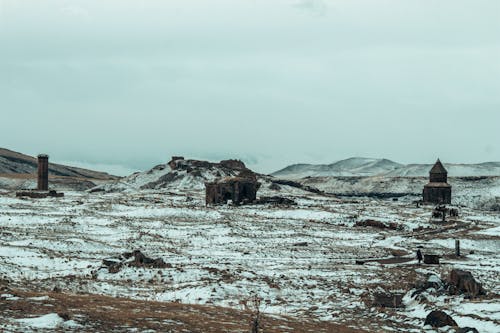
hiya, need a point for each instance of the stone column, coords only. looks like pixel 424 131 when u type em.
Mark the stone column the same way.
pixel 43 172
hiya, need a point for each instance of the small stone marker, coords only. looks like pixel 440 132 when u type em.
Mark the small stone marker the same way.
pixel 431 259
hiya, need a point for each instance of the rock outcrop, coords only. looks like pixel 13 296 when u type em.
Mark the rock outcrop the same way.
pixel 439 319
pixel 463 282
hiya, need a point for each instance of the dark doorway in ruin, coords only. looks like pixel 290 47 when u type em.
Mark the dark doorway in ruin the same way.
pixel 228 196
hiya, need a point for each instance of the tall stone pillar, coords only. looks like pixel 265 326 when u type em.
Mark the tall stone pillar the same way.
pixel 43 172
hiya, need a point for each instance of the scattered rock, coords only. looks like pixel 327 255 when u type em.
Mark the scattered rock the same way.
pixel 133 259
pixel 467 330
pixel 433 281
pixel 388 300
pixel 64 315
pixel 398 253
pixel 233 164
pixel 463 282
pixel 439 319
pixel 115 268
pixel 371 223
pixel 276 201
pixel 140 260
pixel 378 224
pixel 275 187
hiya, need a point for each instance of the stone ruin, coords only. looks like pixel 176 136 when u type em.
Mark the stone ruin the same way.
pixel 431 259
pixel 42 190
pixel 131 259
pixel 179 163
pixel 174 161
pixel 437 191
pixel 441 211
pixel 240 189
pixel 388 300
pixel 459 282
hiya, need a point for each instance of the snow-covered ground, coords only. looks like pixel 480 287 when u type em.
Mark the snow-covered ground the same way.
pixel 474 192
pixel 300 260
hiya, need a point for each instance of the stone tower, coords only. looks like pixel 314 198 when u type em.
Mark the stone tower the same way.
pixel 43 172
pixel 437 191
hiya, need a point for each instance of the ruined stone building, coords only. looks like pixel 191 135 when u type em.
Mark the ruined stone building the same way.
pixel 42 190
pixel 437 191
pixel 237 189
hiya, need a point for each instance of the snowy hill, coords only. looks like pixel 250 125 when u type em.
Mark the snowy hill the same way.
pixel 363 167
pixel 181 176
pixel 14 163
pixel 178 174
pixel 18 171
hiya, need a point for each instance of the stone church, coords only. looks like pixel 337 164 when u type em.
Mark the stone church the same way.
pixel 437 191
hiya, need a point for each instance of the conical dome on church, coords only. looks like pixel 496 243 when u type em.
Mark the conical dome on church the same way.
pixel 438 173
pixel 437 191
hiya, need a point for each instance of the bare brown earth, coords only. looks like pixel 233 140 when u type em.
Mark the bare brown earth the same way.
pixel 110 314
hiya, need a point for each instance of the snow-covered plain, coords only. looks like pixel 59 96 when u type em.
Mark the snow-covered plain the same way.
pixel 300 260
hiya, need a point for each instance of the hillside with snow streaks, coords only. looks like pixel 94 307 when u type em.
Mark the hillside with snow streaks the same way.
pixel 185 175
pixel 163 176
pixel 359 166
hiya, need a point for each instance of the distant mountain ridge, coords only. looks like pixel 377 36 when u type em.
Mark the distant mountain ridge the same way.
pixel 368 167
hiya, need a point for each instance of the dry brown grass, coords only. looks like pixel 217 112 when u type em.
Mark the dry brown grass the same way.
pixel 18 175
pixel 119 314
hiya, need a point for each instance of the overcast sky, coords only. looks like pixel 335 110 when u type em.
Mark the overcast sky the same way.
pixel 126 84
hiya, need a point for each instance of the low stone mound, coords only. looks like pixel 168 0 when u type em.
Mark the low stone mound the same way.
pixel 36 194
pixel 276 200
pixel 378 224
pixel 133 259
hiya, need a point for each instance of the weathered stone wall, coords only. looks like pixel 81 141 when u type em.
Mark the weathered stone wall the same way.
pixel 437 193
pixel 43 172
pixel 235 189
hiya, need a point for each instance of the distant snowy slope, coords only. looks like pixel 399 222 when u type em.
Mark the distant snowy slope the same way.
pixel 358 166
pixel 477 192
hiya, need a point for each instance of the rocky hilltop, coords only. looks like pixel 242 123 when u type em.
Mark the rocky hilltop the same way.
pixel 191 175
pixel 179 173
